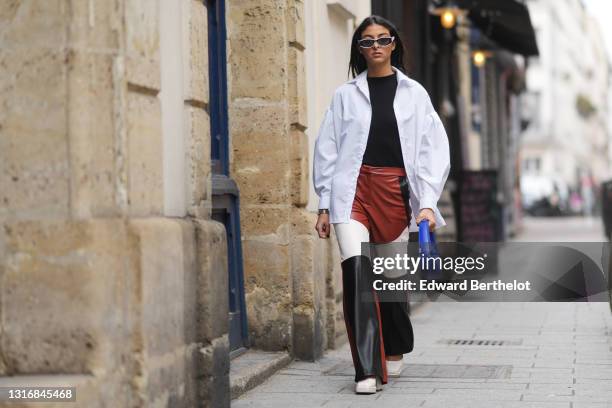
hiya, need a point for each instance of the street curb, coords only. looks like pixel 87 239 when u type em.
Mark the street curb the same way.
pixel 257 366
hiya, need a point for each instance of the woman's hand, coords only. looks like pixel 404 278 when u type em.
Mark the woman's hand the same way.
pixel 323 227
pixel 428 214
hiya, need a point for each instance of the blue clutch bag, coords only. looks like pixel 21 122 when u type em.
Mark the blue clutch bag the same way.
pixel 428 251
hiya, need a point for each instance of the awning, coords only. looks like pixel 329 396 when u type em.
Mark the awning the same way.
pixel 506 22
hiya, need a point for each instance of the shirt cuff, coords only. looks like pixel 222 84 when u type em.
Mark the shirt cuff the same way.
pixel 428 202
pixel 324 202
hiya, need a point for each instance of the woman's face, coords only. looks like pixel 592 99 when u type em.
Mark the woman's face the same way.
pixel 377 54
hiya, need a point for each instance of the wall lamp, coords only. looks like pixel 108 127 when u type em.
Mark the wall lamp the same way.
pixel 479 57
pixel 449 14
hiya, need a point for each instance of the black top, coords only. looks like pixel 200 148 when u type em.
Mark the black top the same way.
pixel 383 148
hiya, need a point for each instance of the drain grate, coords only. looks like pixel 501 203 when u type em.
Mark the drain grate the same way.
pixel 479 342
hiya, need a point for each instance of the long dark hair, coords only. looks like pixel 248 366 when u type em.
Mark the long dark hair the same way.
pixel 358 62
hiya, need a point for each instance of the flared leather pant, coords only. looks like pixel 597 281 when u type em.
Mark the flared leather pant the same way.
pixel 380 214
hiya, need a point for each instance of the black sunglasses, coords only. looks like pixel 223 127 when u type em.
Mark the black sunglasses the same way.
pixel 369 42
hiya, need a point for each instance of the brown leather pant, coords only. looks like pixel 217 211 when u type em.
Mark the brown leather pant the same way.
pixel 375 328
pixel 382 202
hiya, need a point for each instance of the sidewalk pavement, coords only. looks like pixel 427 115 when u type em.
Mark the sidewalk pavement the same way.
pixel 540 355
pixel 562 229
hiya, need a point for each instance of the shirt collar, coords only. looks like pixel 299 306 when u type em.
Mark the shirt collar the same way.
pixel 361 80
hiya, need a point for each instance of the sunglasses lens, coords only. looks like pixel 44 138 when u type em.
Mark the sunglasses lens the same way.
pixel 366 43
pixel 384 41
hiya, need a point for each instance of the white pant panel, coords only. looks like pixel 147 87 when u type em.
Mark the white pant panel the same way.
pixel 350 236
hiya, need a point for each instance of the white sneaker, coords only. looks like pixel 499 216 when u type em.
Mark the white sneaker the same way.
pixel 367 386
pixel 394 368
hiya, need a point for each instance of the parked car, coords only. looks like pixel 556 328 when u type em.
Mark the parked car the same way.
pixel 544 196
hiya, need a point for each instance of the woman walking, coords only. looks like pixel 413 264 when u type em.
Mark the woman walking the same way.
pixel 381 152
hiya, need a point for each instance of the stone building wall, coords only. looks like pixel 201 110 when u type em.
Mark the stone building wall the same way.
pixel 285 268
pixel 99 287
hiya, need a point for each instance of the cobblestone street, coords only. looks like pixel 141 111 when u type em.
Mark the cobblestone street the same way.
pixel 476 354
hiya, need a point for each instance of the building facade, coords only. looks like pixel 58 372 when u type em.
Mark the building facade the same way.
pixel 566 104
pixel 109 254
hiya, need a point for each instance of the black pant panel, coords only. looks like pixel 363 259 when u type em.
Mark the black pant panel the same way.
pixel 397 331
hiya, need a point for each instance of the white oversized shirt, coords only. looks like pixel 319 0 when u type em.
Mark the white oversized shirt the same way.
pixel 343 136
